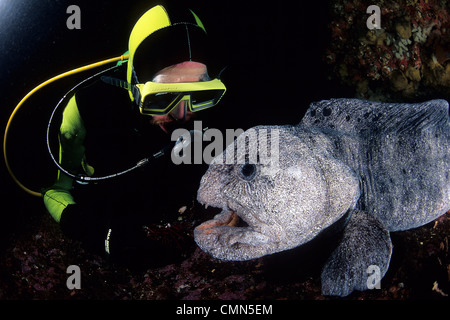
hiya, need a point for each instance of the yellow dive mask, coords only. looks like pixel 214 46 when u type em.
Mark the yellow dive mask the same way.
pixel 161 98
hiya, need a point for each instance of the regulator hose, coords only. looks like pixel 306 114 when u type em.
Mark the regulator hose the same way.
pixel 20 104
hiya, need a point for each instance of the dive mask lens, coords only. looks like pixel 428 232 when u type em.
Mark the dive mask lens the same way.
pixel 201 100
pixel 160 103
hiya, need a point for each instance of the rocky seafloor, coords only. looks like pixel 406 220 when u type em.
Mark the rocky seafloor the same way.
pixel 34 266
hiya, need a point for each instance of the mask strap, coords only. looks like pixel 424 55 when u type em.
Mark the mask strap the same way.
pixel 124 85
pixel 221 71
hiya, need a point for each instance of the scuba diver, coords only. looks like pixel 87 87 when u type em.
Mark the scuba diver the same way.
pixel 124 115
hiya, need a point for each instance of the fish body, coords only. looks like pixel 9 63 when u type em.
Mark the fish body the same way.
pixel 372 167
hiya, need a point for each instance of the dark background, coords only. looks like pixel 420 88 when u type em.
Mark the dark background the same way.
pixel 273 51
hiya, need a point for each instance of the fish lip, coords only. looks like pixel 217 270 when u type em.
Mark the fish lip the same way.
pixel 226 218
pixel 225 239
pixel 232 212
pixel 247 215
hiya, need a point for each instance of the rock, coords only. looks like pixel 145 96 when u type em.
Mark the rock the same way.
pixel 399 81
pixel 403 29
pixel 413 74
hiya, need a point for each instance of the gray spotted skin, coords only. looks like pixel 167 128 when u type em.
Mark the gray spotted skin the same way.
pixel 365 243
pixel 284 205
pixel 403 158
pixel 385 164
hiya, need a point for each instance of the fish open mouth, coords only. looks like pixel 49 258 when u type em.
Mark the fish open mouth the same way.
pixel 227 218
pixel 233 235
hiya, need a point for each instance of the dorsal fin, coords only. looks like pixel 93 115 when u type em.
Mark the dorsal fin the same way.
pixel 357 116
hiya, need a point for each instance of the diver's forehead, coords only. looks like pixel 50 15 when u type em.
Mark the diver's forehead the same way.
pixel 187 71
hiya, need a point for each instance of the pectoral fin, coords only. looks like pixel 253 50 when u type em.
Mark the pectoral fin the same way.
pixel 363 253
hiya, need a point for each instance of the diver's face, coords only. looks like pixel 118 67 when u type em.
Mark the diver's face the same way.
pixel 188 71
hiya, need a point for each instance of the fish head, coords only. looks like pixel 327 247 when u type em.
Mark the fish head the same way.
pixel 292 192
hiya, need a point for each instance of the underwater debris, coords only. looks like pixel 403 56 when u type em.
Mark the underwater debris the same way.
pixel 413 35
pixel 436 288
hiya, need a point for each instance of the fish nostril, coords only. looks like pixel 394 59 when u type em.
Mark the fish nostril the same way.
pixel 247 171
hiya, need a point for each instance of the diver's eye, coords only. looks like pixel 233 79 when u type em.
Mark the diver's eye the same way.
pixel 247 171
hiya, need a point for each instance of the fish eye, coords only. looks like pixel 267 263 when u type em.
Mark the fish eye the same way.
pixel 247 171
